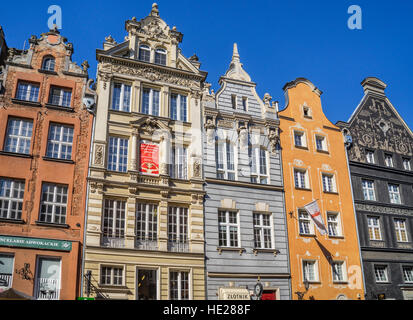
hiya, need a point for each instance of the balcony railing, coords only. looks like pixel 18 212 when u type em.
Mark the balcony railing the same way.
pixel 178 246
pixel 47 289
pixel 5 280
pixel 113 242
pixel 147 244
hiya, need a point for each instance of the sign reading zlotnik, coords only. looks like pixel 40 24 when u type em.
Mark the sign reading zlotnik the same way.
pixel 35 243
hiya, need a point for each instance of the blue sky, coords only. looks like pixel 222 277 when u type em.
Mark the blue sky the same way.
pixel 278 41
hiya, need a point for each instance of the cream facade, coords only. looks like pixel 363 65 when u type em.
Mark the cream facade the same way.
pixel 144 237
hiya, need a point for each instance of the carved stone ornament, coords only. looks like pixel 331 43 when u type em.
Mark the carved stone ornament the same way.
pixel 105 77
pixel 197 169
pixel 274 138
pixel 96 186
pixel 210 131
pixel 149 126
pixel 99 154
pixel 382 209
pixel 243 137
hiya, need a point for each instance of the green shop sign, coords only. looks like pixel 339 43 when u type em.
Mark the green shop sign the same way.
pixel 35 243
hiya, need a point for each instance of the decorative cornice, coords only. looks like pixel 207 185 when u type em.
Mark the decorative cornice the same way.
pixel 383 209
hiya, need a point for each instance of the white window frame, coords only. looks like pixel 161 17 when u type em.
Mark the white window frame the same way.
pixel 178 230
pixel 146 48
pixel 368 190
pixel 305 271
pixel 304 217
pixel 257 156
pixel 54 203
pixel 370 157
pixel 60 143
pixel 151 240
pixel 16 186
pixel 371 225
pixel 122 106
pixel 151 100
pixel 394 193
pixel 406 164
pixel 47 64
pixel 38 280
pixel 343 271
pixel 180 115
pixel 388 160
pixel 24 125
pixel 406 275
pixel 8 276
pixel 112 275
pixel 261 227
pixel 179 280
pixel 224 170
pixel 227 225
pixel 323 140
pixel 300 176
pixel 303 140
pixel 30 88
pixel 114 236
pixel 158 282
pixel 118 164
pixel 383 267
pixel 161 52
pixel 336 222
pixel 400 226
pixel 62 102
pixel 328 182
pixel 179 157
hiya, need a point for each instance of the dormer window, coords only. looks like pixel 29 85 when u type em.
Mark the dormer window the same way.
pixel 144 53
pixel 48 63
pixel 160 56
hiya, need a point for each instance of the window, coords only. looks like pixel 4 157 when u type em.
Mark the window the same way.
pixel 47 282
pixel 27 91
pixel 228 229
pixel 370 156
pixel 178 285
pixel 388 160
pixel 305 224
pixel 178 107
pixel 262 231
pixel 48 63
pixel 394 193
pixel 160 56
pixel 144 53
pixel 401 230
pixel 147 285
pixel 408 274
pixel 234 101
pixel 259 168
pixel 60 97
pixel 121 97
pixel 299 139
pixel 146 226
pixel 380 272
pixel 6 270
pixel 373 224
pixel 112 276
pixel 321 144
pixel 18 135
pixel 179 169
pixel 11 198
pixel 53 203
pixel 307 112
pixel 406 164
pixel 300 178
pixel 328 183
pixel 118 154
pixel 226 160
pixel 113 229
pixel 310 271
pixel 333 224
pixel 178 229
pixel 368 190
pixel 244 103
pixel 338 270
pixel 60 140
pixel 150 101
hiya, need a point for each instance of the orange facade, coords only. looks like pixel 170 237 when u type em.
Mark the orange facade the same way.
pixel 45 132
pixel 315 168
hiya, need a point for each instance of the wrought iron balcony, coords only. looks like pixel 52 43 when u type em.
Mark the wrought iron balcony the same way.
pixel 146 244
pixel 113 242
pixel 178 246
pixel 47 289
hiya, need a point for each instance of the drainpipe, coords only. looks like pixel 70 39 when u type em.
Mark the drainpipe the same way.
pixel 87 199
pixel 355 217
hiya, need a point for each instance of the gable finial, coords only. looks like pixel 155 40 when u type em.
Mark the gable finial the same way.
pixel 155 11
pixel 235 54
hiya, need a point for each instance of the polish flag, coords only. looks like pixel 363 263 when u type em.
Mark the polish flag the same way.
pixel 315 213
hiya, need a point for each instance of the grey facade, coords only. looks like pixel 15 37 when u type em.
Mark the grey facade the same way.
pixel 383 194
pixel 240 195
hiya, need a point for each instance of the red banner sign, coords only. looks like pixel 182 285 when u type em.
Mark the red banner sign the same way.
pixel 149 161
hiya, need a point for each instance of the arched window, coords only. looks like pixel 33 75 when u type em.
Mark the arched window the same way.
pixel 144 53
pixel 160 56
pixel 48 63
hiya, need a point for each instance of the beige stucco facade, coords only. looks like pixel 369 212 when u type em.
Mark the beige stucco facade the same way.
pixel 121 63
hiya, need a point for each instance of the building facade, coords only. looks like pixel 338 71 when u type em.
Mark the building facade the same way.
pixel 323 267
pixel 245 225
pixel 3 47
pixel 145 236
pixel 381 161
pixel 44 143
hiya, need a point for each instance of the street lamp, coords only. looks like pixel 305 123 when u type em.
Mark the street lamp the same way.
pixel 301 294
